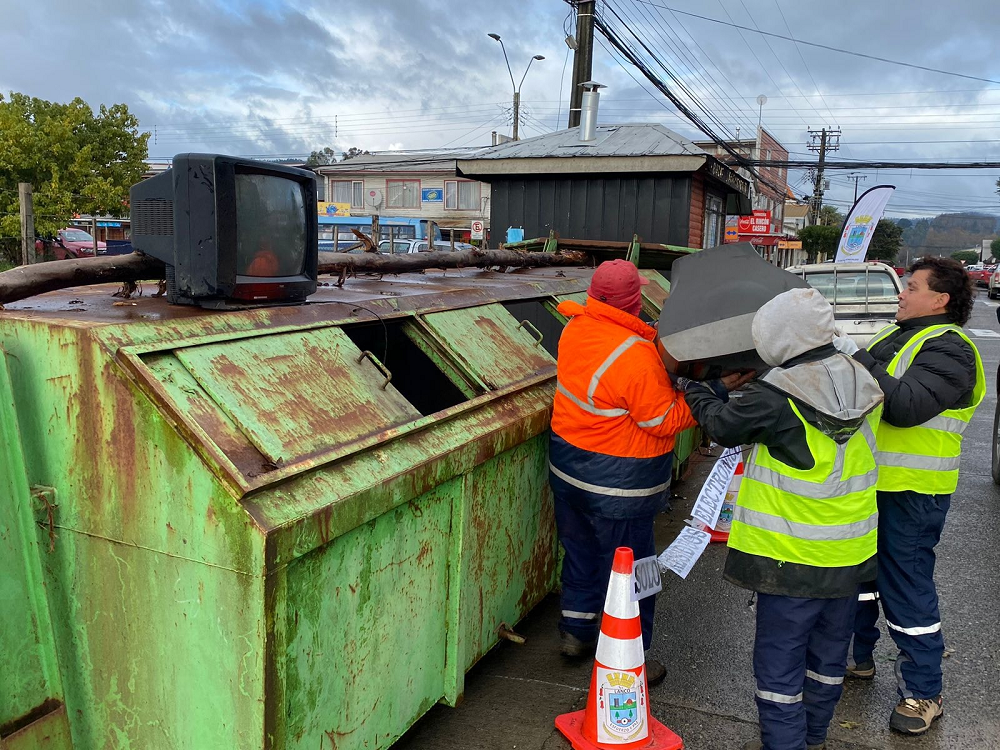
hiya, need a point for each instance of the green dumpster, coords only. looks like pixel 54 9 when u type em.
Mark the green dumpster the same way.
pixel 291 527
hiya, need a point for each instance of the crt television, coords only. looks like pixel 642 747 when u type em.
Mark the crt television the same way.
pixel 229 230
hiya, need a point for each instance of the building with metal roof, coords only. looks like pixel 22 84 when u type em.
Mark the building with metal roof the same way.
pixel 609 183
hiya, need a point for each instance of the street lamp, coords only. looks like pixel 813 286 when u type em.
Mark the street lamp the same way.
pixel 515 87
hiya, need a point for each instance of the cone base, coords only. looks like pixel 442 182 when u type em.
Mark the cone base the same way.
pixel 718 536
pixel 571 726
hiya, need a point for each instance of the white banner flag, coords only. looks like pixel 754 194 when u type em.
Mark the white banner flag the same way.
pixel 861 223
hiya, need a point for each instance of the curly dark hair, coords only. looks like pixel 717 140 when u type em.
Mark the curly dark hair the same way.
pixel 948 275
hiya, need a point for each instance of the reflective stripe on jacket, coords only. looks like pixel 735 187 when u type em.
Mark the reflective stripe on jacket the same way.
pixel 615 413
pixel 925 458
pixel 825 516
pixel 613 395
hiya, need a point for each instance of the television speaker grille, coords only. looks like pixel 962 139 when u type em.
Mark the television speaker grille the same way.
pixel 153 217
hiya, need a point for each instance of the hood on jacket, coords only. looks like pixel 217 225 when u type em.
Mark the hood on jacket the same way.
pixel 791 324
pixel 840 391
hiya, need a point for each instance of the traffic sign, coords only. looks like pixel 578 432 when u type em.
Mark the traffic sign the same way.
pixel 477 230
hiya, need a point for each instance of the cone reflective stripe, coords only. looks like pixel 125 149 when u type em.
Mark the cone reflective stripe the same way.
pixel 722 527
pixel 617 713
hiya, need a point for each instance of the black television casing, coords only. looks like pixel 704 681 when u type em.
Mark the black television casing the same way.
pixel 186 217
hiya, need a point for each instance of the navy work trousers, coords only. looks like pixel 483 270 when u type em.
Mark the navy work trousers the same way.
pixel 590 542
pixel 799 658
pixel 909 527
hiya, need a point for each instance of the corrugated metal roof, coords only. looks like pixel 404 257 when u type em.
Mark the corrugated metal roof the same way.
pixel 425 161
pixel 638 139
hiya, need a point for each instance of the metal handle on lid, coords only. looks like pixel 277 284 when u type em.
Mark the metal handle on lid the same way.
pixel 378 365
pixel 533 332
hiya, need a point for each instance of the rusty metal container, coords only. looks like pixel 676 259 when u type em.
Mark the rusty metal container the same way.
pixel 291 527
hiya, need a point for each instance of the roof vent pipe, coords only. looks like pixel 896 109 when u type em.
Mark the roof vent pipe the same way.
pixel 588 110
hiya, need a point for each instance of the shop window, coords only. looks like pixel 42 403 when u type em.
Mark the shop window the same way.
pixel 715 221
pixel 403 193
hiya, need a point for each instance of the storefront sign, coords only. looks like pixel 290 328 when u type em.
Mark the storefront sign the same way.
pixel 724 174
pixel 789 244
pixel 759 223
pixel 333 209
pixel 431 195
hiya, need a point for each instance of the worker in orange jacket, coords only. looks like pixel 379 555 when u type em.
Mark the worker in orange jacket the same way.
pixel 614 421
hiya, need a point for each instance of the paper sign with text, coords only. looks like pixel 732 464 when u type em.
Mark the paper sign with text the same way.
pixel 709 503
pixel 685 550
pixel 645 578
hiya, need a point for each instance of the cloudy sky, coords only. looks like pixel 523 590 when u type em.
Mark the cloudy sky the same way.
pixel 284 77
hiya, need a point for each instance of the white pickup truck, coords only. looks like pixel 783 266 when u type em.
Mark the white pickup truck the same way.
pixel 865 296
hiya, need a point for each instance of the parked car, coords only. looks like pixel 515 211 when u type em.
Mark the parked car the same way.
pixel 420 246
pixel 865 296
pixel 70 243
pixel 980 274
pixel 993 287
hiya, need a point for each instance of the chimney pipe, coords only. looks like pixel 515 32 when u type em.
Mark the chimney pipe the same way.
pixel 588 114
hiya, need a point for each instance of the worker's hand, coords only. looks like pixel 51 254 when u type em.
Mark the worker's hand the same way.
pixel 845 344
pixel 737 380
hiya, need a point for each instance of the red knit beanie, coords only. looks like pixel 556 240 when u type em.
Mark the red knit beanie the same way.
pixel 618 283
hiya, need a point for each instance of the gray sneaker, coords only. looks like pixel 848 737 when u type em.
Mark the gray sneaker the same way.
pixel 862 671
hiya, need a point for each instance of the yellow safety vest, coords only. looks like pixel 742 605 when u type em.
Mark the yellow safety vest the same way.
pixel 925 458
pixel 825 516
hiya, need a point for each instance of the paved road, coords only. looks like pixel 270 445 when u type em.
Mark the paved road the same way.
pixel 705 634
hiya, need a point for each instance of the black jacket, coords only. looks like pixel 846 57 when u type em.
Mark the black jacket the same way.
pixel 942 376
pixel 762 414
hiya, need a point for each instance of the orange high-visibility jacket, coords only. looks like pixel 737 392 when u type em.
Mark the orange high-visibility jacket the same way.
pixel 613 394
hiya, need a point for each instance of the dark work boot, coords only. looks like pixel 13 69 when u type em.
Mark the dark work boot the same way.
pixel 862 671
pixel 655 672
pixel 573 647
pixel 915 715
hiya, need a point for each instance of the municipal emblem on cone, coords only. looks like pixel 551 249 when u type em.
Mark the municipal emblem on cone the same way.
pixel 617 713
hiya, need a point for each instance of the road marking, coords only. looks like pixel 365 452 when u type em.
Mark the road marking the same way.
pixel 983 333
pixel 990 304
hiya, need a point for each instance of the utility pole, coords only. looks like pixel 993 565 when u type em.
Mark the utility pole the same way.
pixel 822 141
pixel 515 86
pixel 27 223
pixel 583 58
pixel 856 177
pixel 517 112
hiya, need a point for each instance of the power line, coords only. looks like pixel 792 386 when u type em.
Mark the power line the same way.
pixel 826 46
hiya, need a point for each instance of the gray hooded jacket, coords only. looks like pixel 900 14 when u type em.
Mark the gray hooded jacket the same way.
pixel 793 333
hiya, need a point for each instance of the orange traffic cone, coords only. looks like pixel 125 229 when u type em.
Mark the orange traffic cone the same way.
pixel 721 531
pixel 617 713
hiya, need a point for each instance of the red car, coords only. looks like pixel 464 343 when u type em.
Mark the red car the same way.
pixel 980 275
pixel 70 243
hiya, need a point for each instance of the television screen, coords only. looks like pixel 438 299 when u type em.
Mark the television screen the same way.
pixel 231 231
pixel 270 226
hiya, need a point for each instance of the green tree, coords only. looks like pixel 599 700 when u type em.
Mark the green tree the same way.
pixel 77 161
pixel 322 158
pixel 887 241
pixel 995 248
pixel 966 256
pixel 354 151
pixel 831 217
pixel 819 239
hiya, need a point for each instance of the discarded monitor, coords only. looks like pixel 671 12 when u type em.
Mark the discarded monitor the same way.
pixel 229 230
pixel 705 327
